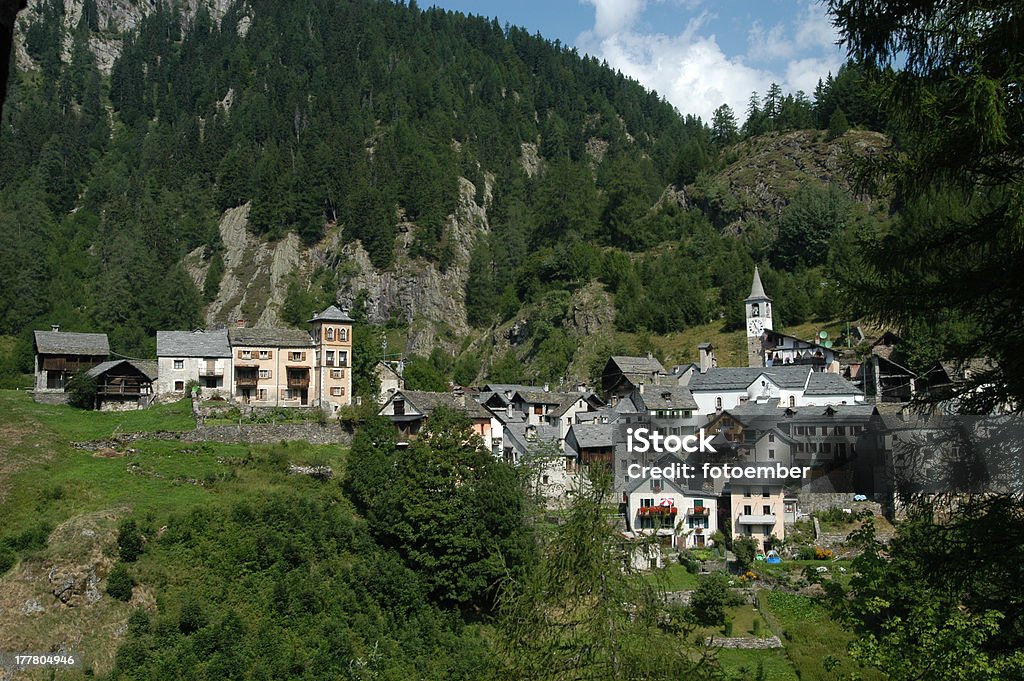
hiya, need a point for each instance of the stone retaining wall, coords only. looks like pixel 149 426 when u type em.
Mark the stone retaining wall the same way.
pixel 745 643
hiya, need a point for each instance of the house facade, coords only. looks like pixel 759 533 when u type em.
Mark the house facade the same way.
pixel 331 331
pixel 757 510
pixel 60 355
pixel 201 356
pixel 272 367
pixel 123 384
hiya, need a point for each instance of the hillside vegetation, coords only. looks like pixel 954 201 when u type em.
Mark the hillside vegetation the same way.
pixel 438 173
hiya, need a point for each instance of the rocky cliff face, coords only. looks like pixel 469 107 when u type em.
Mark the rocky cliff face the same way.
pixel 115 17
pixel 431 301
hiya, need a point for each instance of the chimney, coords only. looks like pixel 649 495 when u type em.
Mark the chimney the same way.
pixel 55 327
pixel 641 388
pixel 239 323
pixel 547 387
pixel 650 355
pixel 508 410
pixel 706 353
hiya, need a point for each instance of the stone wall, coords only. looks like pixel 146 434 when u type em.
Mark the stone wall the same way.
pixel 746 643
pixel 50 397
pixel 313 433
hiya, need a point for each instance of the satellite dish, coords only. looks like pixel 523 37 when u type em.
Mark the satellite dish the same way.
pixel 823 335
pixel 827 343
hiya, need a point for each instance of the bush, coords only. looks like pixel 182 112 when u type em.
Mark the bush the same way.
pixel 710 598
pixel 81 390
pixel 687 560
pixel 32 539
pixel 7 559
pixel 129 541
pixel 745 549
pixel 120 583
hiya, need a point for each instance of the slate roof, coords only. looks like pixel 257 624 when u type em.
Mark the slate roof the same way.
pixel 667 397
pixel 332 314
pixel 192 344
pixel 272 338
pixel 593 435
pixel 717 379
pixel 825 383
pixel 71 343
pixel 638 365
pixel 757 288
pixel 509 387
pixel 147 368
pixel 515 434
pixel 427 402
pixel 540 396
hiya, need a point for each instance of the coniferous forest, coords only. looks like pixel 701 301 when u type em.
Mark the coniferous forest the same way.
pixel 365 115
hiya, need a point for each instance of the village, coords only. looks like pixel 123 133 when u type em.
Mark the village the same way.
pixel 830 427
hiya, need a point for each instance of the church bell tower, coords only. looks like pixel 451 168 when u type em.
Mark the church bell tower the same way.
pixel 759 318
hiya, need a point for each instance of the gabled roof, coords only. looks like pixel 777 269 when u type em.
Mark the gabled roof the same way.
pixel 71 343
pixel 593 435
pixel 718 379
pixel 539 397
pixel 510 388
pixel 192 344
pixel 779 435
pixel 637 365
pixel 426 402
pixel 332 314
pixel 146 368
pixel 516 434
pixel 826 383
pixel 270 338
pixel 757 288
pixel 667 397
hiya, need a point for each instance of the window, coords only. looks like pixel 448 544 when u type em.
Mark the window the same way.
pixel 343 334
pixel 767 530
pixel 718 403
pixel 771 437
pixel 297 356
pixel 245 354
pixel 840 430
pixel 266 354
pixel 342 358
pixel 746 492
pixel 179 386
pixel 792 401
pixel 330 358
pixel 179 364
pixel 544 479
pixel 330 333
pixel 771 453
pixel 538 409
pixel 800 446
pixel 399 407
pixel 264 373
pixel 336 392
pixel 798 430
pixel 656 485
pixel 811 430
pixel 646 503
pixel 261 394
pixel 826 447
pixel 747 510
pixel 765 492
pixel 766 510
pixel 841 449
pixel 337 373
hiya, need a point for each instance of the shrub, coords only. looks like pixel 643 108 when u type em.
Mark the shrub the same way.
pixel 120 583
pixel 129 541
pixel 7 559
pixel 191 618
pixel 745 549
pixel 81 390
pixel 688 561
pixel 710 598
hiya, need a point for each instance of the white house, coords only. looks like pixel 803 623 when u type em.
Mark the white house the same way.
pixel 203 356
pixel 676 508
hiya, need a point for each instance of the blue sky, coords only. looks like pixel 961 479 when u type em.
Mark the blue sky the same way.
pixel 697 53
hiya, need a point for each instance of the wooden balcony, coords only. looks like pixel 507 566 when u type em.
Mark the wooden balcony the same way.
pixel 698 511
pixel 210 371
pixel 298 381
pixel 246 380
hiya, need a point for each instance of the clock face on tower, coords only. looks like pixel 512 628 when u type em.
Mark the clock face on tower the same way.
pixel 755 327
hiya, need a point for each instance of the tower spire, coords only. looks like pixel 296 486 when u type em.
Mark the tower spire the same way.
pixel 757 288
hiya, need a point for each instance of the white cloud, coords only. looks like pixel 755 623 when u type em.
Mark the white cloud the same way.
pixel 692 70
pixel 769 43
pixel 613 16
pixel 689 70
